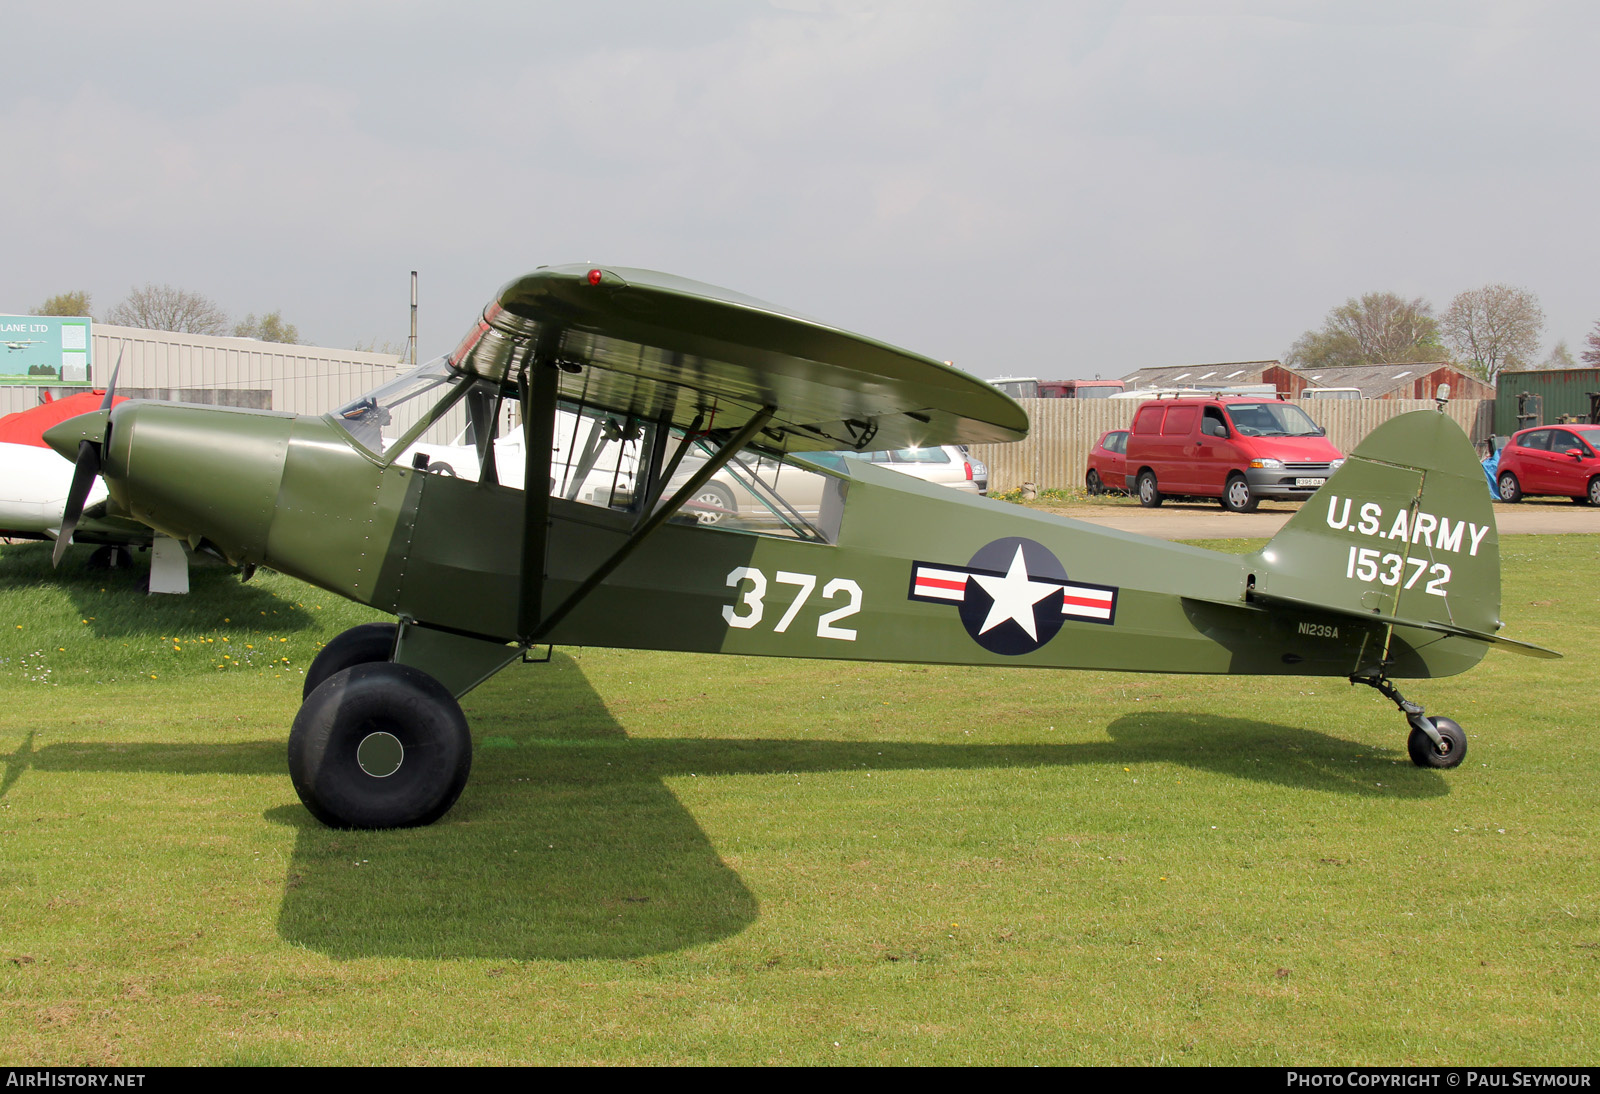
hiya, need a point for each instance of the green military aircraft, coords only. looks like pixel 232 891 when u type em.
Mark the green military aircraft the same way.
pixel 701 498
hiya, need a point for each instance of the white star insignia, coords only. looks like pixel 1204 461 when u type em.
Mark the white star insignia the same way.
pixel 1014 596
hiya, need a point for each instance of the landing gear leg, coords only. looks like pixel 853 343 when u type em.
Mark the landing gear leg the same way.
pixel 1437 742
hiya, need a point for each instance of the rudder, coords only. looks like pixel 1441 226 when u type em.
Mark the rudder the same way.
pixel 1404 530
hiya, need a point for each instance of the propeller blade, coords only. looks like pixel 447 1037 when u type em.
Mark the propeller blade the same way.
pixel 83 474
pixel 111 388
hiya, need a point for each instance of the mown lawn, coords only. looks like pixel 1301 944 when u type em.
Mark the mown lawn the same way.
pixel 693 859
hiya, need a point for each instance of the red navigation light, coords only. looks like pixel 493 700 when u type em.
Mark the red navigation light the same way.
pixel 594 277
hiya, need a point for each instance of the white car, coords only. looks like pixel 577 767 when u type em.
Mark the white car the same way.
pixel 946 465
pixel 728 495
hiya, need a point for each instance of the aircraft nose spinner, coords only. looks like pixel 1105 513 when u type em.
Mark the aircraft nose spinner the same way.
pixel 194 473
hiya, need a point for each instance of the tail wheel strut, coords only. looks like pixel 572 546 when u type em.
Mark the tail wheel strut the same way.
pixel 1437 742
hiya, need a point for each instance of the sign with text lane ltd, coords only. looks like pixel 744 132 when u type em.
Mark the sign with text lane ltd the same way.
pixel 44 349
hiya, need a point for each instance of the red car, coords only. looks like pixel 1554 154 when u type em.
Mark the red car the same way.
pixel 1108 464
pixel 1557 460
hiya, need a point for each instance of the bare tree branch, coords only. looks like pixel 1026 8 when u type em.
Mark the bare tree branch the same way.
pixel 1495 328
pixel 162 307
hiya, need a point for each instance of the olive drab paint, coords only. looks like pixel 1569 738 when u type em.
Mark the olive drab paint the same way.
pixel 1390 571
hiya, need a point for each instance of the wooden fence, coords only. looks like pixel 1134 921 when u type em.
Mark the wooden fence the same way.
pixel 1063 432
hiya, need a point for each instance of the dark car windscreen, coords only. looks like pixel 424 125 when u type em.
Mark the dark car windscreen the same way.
pixel 1272 420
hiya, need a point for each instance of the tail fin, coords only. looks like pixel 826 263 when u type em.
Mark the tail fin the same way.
pixel 1404 532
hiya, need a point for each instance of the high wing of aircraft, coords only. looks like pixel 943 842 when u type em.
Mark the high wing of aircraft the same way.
pixel 655 384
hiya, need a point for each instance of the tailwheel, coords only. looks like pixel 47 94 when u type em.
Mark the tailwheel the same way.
pixel 379 745
pixel 1433 742
pixel 1448 752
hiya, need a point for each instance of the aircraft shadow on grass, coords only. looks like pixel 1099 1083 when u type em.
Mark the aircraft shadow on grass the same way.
pixel 212 587
pixel 570 844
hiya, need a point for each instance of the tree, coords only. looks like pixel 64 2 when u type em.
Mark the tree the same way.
pixel 1380 328
pixel 269 328
pixel 66 303
pixel 375 345
pixel 1560 357
pixel 1494 328
pixel 1591 354
pixel 162 307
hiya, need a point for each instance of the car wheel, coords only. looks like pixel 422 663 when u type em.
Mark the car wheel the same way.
pixel 1236 495
pixel 1093 484
pixel 718 502
pixel 1593 496
pixel 1149 496
pixel 1510 489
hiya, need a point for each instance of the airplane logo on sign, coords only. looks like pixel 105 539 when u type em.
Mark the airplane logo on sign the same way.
pixel 1014 595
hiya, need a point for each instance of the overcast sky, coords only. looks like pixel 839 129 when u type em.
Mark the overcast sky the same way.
pixel 1050 189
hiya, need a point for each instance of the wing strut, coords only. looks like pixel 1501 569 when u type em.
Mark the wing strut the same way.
pixel 641 531
pixel 660 476
pixel 536 386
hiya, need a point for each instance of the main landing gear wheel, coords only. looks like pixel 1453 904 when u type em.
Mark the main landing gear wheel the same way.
pixel 1149 495
pixel 357 646
pixel 379 746
pixel 1237 497
pixel 1510 488
pixel 1449 752
pixel 1434 742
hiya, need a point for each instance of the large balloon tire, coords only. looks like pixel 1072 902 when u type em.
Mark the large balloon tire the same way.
pixel 396 714
pixel 359 645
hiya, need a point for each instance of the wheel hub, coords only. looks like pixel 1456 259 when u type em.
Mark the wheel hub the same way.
pixel 380 754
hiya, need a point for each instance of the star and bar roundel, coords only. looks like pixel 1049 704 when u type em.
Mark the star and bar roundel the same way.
pixel 1014 595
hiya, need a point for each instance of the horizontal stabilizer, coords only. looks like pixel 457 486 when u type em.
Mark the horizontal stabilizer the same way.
pixel 1510 645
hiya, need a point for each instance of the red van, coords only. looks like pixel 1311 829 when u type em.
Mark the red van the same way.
pixel 1237 450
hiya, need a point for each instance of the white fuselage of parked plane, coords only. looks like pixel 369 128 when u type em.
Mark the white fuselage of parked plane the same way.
pixel 33 488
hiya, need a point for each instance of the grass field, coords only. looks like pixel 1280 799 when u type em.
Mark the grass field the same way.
pixel 686 859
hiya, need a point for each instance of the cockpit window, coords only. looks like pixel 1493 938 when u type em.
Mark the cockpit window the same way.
pixel 389 412
pixel 433 417
pixel 766 495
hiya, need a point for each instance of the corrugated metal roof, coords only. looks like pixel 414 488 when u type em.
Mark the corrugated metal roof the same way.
pixel 1373 381
pixel 1218 373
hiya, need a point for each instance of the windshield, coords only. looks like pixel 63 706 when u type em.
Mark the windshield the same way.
pixel 386 413
pixel 1272 420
